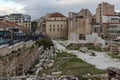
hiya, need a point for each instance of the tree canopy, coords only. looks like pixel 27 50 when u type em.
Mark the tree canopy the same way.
pixel 46 42
pixel 33 26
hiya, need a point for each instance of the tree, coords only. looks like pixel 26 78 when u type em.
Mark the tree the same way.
pixel 33 26
pixel 46 42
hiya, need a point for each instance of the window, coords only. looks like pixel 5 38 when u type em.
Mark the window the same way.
pixel 95 30
pixel 114 19
pixel 101 30
pixel 54 29
pixel 58 29
pixel 113 26
pixel 16 21
pixel 50 29
pixel 61 28
pixel 118 31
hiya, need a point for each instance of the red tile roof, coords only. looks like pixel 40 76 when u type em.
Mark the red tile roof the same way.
pixel 11 23
pixel 57 14
pixel 4 24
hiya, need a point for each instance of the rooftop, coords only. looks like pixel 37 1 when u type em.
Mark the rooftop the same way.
pixel 111 15
pixel 57 14
pixel 4 24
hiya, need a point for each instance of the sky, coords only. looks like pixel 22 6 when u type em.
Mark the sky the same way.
pixel 38 8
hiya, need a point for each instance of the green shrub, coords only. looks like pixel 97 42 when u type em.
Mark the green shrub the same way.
pixel 46 42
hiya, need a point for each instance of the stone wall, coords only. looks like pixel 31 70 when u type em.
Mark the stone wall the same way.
pixel 19 64
pixel 113 73
pixel 4 50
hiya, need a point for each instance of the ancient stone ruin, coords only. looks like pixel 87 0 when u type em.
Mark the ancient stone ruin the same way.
pixel 113 73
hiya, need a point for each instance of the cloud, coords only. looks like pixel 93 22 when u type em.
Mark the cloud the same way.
pixel 10 7
pixel 38 8
pixel 41 7
pixel 69 2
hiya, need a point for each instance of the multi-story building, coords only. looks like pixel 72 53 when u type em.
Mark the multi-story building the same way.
pixel 112 24
pixel 78 26
pixel 56 26
pixel 1 18
pixel 110 19
pixel 27 22
pixel 41 24
pixel 20 19
pixel 104 9
pixel 17 18
pixel 113 30
pixel 10 30
pixel 53 25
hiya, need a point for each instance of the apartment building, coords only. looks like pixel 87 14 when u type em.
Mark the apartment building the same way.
pixel 20 19
pixel 110 19
pixel 1 18
pixel 112 24
pixel 104 8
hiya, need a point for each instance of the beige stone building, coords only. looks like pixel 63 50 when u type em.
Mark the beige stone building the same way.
pixel 78 26
pixel 27 27
pixel 41 24
pixel 56 26
pixel 104 9
pixel 86 14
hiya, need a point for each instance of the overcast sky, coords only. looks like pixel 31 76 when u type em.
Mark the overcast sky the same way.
pixel 38 8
